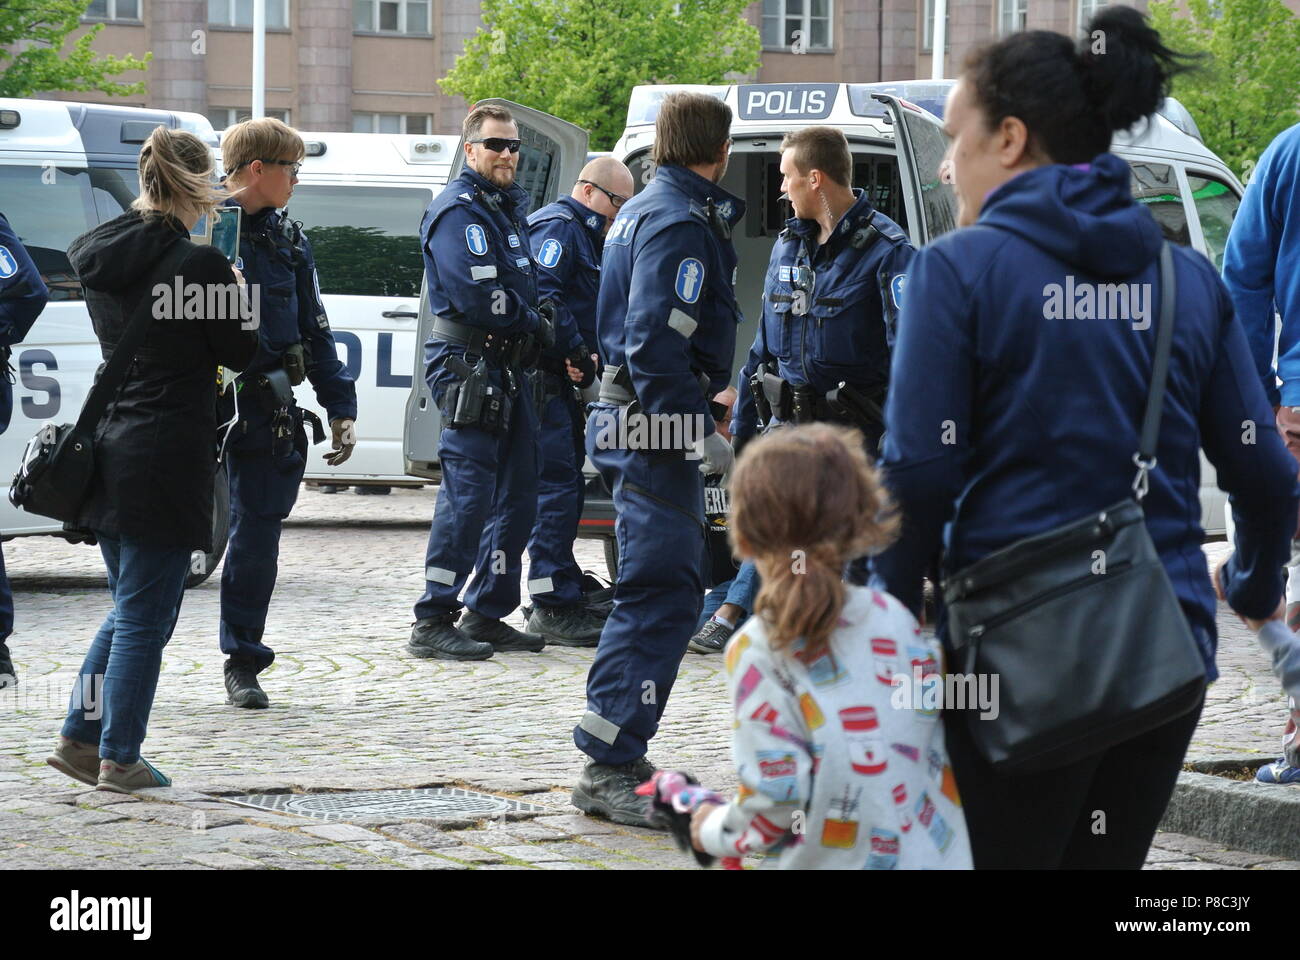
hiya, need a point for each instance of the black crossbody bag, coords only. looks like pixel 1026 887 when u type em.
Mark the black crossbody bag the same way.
pixel 1080 624
pixel 58 465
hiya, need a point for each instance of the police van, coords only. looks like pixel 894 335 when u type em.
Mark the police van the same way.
pixel 66 167
pixel 897 148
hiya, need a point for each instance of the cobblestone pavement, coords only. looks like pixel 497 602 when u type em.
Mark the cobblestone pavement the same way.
pixel 351 709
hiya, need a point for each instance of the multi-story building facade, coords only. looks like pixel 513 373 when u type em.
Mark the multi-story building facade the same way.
pixel 373 65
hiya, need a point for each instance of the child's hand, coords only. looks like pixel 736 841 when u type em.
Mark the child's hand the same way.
pixel 697 822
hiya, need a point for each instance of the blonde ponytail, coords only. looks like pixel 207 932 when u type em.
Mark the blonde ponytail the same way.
pixel 176 175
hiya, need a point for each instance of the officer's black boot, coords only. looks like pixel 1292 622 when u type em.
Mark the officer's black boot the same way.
pixel 8 676
pixel 242 688
pixel 575 626
pixel 436 638
pixel 503 637
pixel 609 791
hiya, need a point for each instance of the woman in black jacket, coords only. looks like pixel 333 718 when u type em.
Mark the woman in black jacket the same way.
pixel 151 503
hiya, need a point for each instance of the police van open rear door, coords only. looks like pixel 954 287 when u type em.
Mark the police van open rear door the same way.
pixel 931 204
pixel 553 154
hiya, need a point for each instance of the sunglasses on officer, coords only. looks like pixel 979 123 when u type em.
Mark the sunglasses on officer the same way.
pixel 617 199
pixel 500 144
pixel 293 165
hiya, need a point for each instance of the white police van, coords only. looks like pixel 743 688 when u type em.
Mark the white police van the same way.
pixel 897 148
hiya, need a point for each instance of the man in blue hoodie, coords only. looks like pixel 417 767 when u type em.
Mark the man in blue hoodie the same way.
pixel 1261 269
pixel 23 296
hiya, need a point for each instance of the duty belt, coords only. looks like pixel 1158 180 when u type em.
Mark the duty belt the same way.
pixel 616 388
pixel 473 339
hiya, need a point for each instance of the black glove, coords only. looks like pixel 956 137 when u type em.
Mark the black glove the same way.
pixel 581 359
pixel 546 324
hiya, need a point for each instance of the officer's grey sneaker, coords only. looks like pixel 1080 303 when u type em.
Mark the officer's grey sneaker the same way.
pixel 568 626
pixel 609 791
pixel 242 688
pixel 436 638
pixel 502 637
pixel 711 638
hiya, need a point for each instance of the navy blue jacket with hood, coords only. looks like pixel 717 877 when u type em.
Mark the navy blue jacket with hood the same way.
pixel 1014 408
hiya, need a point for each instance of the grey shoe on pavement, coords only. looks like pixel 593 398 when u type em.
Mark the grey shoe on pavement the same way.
pixel 116 778
pixel 80 761
pixel 575 626
pixel 711 638
pixel 242 688
pixel 609 791
pixel 503 637
pixel 436 638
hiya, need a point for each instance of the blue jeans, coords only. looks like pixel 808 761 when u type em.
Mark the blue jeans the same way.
pixel 110 703
pixel 740 590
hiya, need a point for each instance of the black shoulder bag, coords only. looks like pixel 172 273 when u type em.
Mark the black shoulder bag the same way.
pixel 1080 624
pixel 58 465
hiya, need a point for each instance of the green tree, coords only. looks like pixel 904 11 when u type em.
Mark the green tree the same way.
pixel 42 26
pixel 1249 91
pixel 580 59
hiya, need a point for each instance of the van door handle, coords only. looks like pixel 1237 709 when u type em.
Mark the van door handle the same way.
pixel 400 314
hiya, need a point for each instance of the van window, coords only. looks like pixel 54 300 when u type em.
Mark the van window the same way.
pixel 1216 206
pixel 1156 186
pixel 874 174
pixel 48 208
pixel 366 240
pixel 930 146
pixel 113 190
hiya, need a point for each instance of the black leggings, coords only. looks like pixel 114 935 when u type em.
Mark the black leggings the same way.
pixel 1100 812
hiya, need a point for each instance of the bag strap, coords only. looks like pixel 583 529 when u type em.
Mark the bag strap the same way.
pixel 1145 458
pixel 127 346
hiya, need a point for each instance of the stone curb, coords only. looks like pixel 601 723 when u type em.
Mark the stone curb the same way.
pixel 1242 815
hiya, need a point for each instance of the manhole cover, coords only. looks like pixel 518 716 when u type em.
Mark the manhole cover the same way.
pixel 424 804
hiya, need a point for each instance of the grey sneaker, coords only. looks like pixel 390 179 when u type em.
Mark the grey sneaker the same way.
pixel 503 637
pixel 711 638
pixel 80 761
pixel 609 791
pixel 116 778
pixel 575 626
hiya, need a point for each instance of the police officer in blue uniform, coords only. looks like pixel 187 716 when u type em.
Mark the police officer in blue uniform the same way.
pixel 830 301
pixel 567 237
pixel 666 319
pixel 488 330
pixel 23 296
pixel 266 446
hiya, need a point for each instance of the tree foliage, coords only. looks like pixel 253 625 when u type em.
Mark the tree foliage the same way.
pixel 579 59
pixel 1249 90
pixel 32 58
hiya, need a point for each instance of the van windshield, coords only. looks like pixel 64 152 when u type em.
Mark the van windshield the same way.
pixel 48 207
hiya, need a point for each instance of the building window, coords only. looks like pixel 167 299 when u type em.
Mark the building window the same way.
pixel 927 40
pixel 1012 15
pixel 797 23
pixel 416 123
pixel 113 10
pixel 1087 10
pixel 239 13
pixel 222 117
pixel 391 16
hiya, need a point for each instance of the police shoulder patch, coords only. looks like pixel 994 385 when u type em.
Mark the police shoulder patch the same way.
pixel 8 263
pixel 690 280
pixel 550 253
pixel 896 286
pixel 513 240
pixel 476 239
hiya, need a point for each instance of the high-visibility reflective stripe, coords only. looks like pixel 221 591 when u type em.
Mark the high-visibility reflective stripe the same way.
pixel 439 575
pixel 541 585
pixel 483 273
pixel 681 321
pixel 599 727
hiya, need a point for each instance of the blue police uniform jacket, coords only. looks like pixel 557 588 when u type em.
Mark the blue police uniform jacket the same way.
pixel 1261 265
pixel 667 307
pixel 567 239
pixel 478 265
pixel 23 294
pixel 1019 382
pixel 830 313
pixel 275 255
